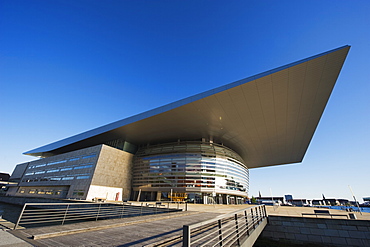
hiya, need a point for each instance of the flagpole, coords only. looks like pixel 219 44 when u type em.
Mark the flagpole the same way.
pixel 358 206
pixel 272 199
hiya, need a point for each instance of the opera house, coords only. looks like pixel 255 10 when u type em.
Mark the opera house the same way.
pixel 197 149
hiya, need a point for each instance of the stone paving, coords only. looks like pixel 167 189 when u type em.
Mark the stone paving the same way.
pixel 7 239
pixel 136 231
pixel 140 233
pixel 88 226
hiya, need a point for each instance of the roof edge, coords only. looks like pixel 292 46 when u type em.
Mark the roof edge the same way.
pixel 111 126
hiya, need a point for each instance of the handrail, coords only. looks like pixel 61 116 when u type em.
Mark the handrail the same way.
pixel 162 203
pixel 224 230
pixel 34 214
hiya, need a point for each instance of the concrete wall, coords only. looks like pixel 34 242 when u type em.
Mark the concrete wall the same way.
pixel 18 200
pixel 320 231
pixel 113 171
pixel 104 192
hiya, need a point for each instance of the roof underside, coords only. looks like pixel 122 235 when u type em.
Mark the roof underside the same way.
pixel 269 119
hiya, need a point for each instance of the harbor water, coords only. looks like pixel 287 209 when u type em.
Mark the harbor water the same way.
pixel 347 208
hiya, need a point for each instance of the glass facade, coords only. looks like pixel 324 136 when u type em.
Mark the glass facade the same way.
pixel 189 171
pixel 78 167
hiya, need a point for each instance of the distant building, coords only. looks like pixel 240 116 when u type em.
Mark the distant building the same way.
pixel 198 149
pixel 318 202
pixel 331 201
pixel 269 200
pixel 288 197
pixel 4 182
pixel 343 202
pixel 4 176
pixel 300 202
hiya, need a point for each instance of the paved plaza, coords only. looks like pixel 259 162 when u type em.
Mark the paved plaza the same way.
pixel 135 231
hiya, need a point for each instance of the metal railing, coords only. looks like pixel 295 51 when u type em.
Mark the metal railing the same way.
pixel 46 214
pixel 166 204
pixel 226 230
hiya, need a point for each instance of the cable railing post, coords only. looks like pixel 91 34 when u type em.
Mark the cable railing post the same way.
pixel 265 213
pixel 123 209
pixel 252 217
pixel 260 211
pixel 237 229
pixel 65 214
pixel 246 221
pixel 97 215
pixel 186 206
pixel 220 231
pixel 20 216
pixel 265 210
pixel 186 241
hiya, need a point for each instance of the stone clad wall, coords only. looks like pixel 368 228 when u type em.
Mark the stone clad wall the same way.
pixel 322 231
pixel 112 175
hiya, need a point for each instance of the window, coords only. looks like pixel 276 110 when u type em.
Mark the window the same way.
pixel 57 162
pixel 67 178
pixel 54 170
pixel 78 193
pixel 66 169
pixel 82 167
pixel 89 156
pixel 82 177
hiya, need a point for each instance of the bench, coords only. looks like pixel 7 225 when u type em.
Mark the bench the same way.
pixel 324 213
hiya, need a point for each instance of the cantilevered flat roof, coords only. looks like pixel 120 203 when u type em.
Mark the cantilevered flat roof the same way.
pixel 269 118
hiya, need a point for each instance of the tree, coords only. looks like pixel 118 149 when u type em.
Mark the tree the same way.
pixel 253 200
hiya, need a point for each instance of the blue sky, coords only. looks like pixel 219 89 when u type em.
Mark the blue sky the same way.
pixel 70 66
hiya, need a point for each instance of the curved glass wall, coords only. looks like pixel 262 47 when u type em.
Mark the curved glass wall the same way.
pixel 185 167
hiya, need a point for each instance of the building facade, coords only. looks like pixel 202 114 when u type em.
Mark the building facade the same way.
pixel 198 149
pixel 200 172
pixel 98 172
